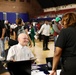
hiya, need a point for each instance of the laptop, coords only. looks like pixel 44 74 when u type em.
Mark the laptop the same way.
pixel 49 63
pixel 20 67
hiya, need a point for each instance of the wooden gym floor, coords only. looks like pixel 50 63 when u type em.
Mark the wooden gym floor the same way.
pixel 39 53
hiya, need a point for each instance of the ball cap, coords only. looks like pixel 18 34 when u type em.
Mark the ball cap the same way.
pixel 57 19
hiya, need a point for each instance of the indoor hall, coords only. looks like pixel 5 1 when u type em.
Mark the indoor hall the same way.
pixel 36 10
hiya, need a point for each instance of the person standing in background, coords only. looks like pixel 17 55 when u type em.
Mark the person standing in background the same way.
pixel 27 32
pixel 7 33
pixel 20 29
pixel 56 27
pixel 32 34
pixel 45 29
pixel 2 36
pixel 39 24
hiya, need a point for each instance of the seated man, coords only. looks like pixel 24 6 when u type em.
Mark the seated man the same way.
pixel 3 71
pixel 20 51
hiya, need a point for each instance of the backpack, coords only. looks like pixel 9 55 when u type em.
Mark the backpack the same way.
pixel 20 30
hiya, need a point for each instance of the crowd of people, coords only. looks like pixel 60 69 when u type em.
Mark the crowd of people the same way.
pixel 62 28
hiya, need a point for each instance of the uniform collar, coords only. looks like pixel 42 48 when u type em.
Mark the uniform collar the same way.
pixel 20 46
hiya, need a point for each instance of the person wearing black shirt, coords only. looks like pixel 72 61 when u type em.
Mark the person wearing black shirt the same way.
pixel 66 46
pixel 20 29
pixel 2 36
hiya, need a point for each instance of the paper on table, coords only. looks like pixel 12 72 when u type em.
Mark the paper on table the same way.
pixel 58 72
pixel 37 73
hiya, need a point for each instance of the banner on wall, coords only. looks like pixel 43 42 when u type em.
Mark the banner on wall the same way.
pixel 1 15
pixel 24 16
pixel 11 17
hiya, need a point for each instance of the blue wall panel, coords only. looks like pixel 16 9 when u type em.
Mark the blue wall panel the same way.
pixel 11 17
pixel 24 16
pixel 1 15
